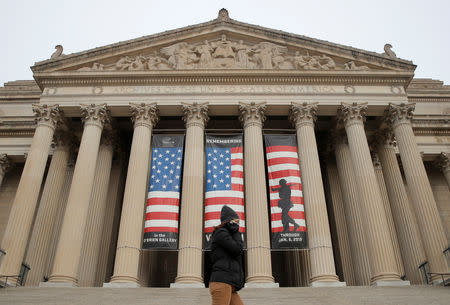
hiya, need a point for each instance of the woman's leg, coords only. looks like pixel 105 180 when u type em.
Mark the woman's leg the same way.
pixel 220 293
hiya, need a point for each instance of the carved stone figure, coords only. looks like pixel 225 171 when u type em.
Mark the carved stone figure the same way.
pixel 388 52
pixel 242 55
pixel 222 54
pixel 58 52
pixel 205 54
pixel 326 62
pixel 265 52
pixel 352 66
pixel 180 55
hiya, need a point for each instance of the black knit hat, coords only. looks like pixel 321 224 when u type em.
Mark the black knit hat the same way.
pixel 227 214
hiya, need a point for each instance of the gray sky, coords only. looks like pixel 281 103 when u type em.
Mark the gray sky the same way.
pixel 418 30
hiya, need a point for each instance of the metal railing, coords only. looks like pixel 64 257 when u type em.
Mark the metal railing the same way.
pixel 15 280
pixel 444 276
pixel 425 270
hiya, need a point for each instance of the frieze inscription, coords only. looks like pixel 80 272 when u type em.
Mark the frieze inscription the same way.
pixel 239 89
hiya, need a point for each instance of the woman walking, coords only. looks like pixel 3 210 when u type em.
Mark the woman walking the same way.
pixel 227 276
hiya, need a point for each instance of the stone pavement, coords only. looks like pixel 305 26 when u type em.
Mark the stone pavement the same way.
pixel 414 295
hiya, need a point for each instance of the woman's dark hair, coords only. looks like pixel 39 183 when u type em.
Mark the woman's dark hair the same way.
pixel 221 225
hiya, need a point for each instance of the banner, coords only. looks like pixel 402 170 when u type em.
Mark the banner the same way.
pixel 285 188
pixel 224 181
pixel 163 201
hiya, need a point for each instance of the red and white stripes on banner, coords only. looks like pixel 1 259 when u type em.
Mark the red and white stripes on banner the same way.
pixel 162 212
pixel 282 163
pixel 232 196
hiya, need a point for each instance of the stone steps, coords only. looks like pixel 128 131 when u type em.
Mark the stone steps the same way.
pixel 413 295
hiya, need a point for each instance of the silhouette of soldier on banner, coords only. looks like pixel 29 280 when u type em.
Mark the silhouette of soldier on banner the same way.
pixel 285 204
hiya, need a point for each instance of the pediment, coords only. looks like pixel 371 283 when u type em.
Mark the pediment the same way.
pixel 223 44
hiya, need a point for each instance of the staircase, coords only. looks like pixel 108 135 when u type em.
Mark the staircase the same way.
pixel 413 295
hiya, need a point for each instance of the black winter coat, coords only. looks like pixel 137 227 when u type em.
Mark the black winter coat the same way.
pixel 226 255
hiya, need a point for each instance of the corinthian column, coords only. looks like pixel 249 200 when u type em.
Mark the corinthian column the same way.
pixel 129 242
pixel 352 209
pixel 378 240
pixel 94 232
pixel 21 216
pixel 433 236
pixel 387 210
pixel 189 272
pixel 67 257
pixel 44 224
pixel 443 162
pixel 408 234
pixel 323 271
pixel 341 223
pixel 257 222
pixel 5 165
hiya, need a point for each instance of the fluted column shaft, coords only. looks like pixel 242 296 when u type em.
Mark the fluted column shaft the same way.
pixel 94 232
pixel 432 231
pixel 381 253
pixel 44 225
pixel 352 208
pixel 126 267
pixel 257 222
pixel 387 210
pixel 319 236
pixel 67 257
pixel 408 234
pixel 59 216
pixel 191 218
pixel 21 216
pixel 5 165
pixel 341 223
pixel 112 201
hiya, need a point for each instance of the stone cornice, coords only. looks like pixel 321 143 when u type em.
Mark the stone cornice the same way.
pixel 67 79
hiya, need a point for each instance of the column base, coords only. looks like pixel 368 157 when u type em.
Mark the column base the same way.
pixel 58 284
pixel 390 283
pixel 187 285
pixel 121 285
pixel 262 285
pixel 328 284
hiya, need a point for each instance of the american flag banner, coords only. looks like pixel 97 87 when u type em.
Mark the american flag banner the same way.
pixel 224 181
pixel 285 188
pixel 163 200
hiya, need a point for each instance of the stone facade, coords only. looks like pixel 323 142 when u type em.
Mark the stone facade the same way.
pixel 69 211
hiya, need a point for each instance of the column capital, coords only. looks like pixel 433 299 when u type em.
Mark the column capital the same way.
pixel 375 160
pixel 63 136
pixel 109 138
pixel 396 115
pixel 195 114
pixel 443 162
pixel 350 114
pixel 252 114
pixel 339 136
pixel 97 115
pixel 303 114
pixel 385 137
pixel 47 115
pixel 144 114
pixel 5 163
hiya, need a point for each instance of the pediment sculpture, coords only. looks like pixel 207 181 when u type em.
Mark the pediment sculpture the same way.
pixel 224 54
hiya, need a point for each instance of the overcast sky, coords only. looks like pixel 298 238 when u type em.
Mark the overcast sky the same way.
pixel 418 30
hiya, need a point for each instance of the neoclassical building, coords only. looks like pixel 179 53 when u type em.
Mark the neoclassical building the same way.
pixel 373 146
